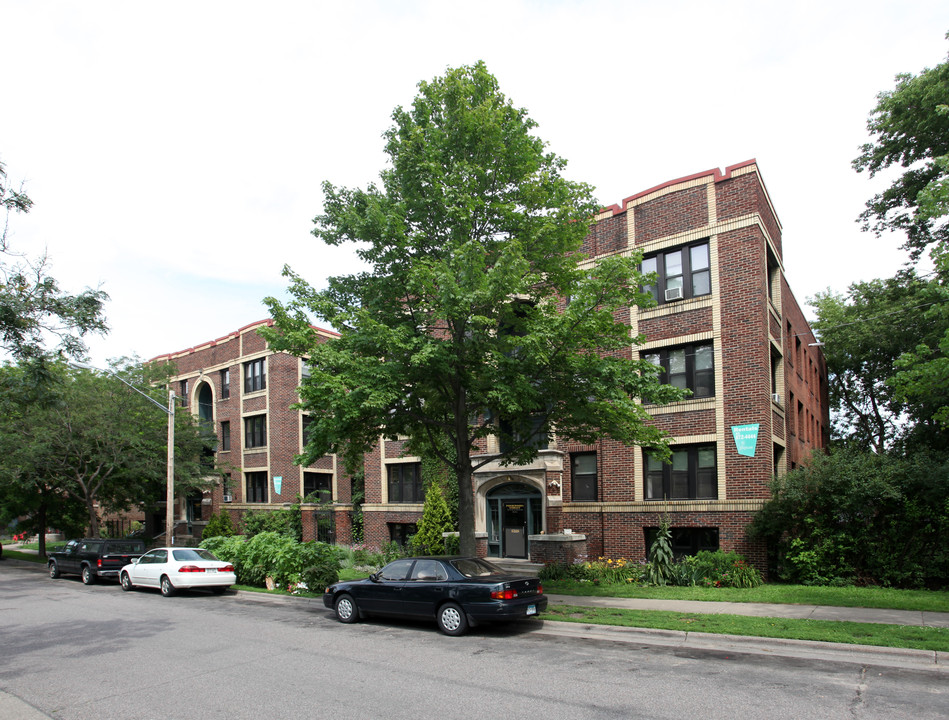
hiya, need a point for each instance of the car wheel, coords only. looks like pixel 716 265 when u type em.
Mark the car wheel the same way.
pixel 451 619
pixel 87 576
pixel 54 570
pixel 126 582
pixel 346 610
pixel 167 589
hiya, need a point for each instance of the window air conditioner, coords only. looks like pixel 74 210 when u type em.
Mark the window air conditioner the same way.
pixel 674 293
pixel 227 498
pixel 776 398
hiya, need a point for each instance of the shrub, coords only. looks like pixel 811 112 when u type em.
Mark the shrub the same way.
pixel 270 554
pixel 219 525
pixel 435 520
pixel 225 547
pixel 317 565
pixel 725 569
pixel 661 559
pixel 288 522
pixel 859 517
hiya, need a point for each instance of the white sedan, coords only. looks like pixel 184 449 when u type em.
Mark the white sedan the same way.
pixel 178 568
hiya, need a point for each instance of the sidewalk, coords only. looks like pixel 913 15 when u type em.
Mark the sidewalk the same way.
pixel 775 610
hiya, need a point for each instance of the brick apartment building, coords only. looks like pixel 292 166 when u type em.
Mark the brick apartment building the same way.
pixel 245 392
pixel 726 326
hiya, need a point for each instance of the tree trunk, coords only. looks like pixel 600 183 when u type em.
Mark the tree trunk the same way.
pixel 41 533
pixel 93 519
pixel 466 525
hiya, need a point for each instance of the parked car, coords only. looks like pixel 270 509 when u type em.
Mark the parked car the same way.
pixel 456 592
pixel 93 558
pixel 178 568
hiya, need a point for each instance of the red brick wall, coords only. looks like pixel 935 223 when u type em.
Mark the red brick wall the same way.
pixel 670 214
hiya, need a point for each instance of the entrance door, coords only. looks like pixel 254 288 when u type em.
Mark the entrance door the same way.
pixel 515 529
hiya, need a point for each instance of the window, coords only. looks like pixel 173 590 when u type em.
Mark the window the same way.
pixel 533 433
pixel 686 540
pixel 306 422
pixel 405 483
pixel 690 366
pixel 255 431
pixel 256 487
pixel 225 436
pixel 428 571
pixel 225 383
pixel 681 273
pixel 583 474
pixel 691 474
pixel 255 376
pixel 319 485
pixel 183 394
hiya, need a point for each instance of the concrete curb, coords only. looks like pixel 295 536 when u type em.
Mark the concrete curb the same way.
pixel 863 655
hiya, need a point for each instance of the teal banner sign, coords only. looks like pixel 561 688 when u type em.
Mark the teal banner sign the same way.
pixel 277 483
pixel 746 438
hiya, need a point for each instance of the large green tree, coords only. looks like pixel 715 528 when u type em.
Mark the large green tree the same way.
pixel 477 316
pixel 33 308
pixel 866 332
pixel 910 129
pixel 88 438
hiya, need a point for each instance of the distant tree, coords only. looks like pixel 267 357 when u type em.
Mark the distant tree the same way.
pixel 921 379
pixel 91 438
pixel 33 308
pixel 865 333
pixel 456 331
pixel 910 129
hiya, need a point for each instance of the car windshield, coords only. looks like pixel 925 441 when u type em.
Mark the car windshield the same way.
pixel 475 567
pixel 192 554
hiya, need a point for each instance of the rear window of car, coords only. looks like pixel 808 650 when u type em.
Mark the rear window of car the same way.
pixel 473 567
pixel 192 554
pixel 125 547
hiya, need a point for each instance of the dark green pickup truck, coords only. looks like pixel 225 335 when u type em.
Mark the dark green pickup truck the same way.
pixel 93 558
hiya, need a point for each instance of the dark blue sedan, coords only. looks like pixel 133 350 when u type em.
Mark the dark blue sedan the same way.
pixel 457 592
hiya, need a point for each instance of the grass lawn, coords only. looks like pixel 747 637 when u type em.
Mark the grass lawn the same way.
pixel 868 597
pixel 898 636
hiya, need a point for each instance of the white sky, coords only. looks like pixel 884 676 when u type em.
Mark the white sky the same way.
pixel 175 150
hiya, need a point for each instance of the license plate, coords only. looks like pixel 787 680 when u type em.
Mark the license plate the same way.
pixel 531 609
pixel 212 570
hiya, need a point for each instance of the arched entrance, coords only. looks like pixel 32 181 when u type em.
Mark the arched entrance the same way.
pixel 514 511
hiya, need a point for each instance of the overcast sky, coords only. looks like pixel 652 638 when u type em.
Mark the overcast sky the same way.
pixel 175 150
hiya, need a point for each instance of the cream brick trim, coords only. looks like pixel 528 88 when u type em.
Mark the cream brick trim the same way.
pixel 393 507
pixel 664 506
pixel 718 353
pixel 677 340
pixel 682 406
pixel 678 306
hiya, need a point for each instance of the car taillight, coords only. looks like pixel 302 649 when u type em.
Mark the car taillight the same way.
pixel 99 562
pixel 227 568
pixel 540 589
pixel 190 568
pixel 503 594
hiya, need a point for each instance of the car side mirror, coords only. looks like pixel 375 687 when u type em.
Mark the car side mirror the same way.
pixel 375 577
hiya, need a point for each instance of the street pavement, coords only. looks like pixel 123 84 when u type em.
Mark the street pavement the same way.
pixel 865 655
